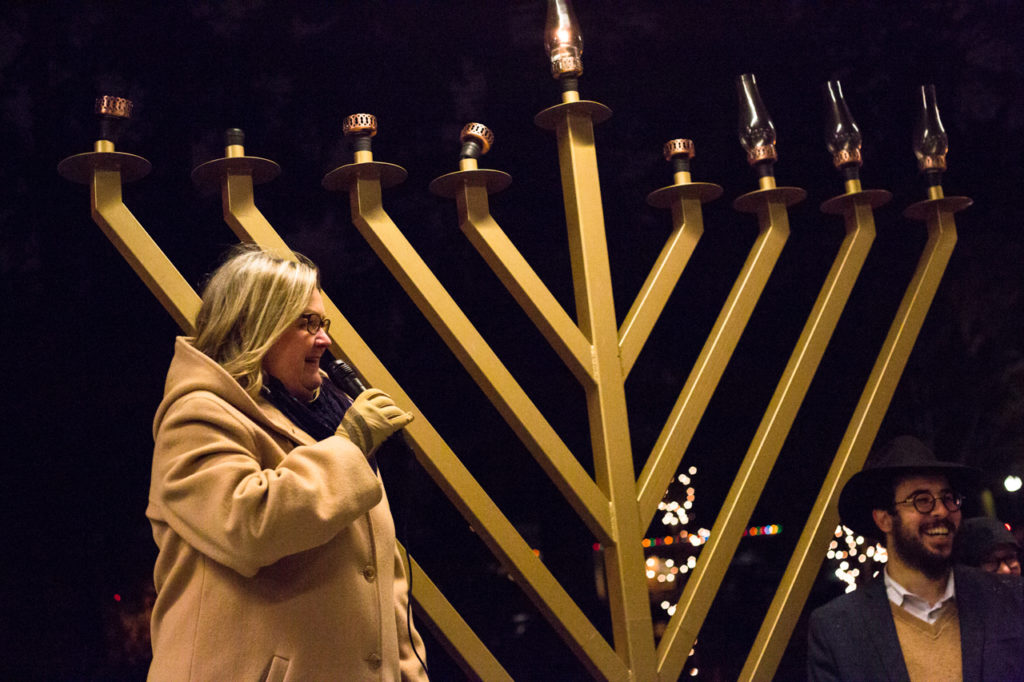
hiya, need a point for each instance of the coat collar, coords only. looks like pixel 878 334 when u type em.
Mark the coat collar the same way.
pixel 192 370
pixel 876 620
pixel 273 418
pixel 886 641
pixel 972 622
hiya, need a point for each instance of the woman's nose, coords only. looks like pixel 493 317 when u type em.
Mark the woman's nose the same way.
pixel 322 339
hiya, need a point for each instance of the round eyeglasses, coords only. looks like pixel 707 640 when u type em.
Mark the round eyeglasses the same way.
pixel 925 502
pixel 315 322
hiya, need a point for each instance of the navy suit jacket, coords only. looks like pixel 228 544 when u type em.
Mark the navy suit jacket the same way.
pixel 854 637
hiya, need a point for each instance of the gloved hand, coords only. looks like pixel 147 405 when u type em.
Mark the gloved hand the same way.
pixel 372 417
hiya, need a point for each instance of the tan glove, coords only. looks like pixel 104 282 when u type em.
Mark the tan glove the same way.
pixel 372 417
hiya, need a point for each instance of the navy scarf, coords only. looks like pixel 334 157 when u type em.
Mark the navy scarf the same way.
pixel 319 418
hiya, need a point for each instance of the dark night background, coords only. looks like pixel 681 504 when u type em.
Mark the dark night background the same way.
pixel 85 345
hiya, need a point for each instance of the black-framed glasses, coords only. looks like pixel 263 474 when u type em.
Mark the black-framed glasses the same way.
pixel 925 502
pixel 1008 558
pixel 315 322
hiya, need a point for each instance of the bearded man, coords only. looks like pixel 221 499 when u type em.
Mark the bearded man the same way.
pixel 921 619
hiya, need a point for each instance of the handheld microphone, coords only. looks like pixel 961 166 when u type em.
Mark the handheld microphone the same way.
pixel 344 377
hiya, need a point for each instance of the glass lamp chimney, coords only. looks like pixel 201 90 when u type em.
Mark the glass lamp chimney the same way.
pixel 562 40
pixel 757 134
pixel 842 136
pixel 930 141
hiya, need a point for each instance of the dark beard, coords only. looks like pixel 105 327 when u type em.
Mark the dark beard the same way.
pixel 913 553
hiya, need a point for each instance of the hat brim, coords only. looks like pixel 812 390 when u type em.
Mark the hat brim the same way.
pixel 871 489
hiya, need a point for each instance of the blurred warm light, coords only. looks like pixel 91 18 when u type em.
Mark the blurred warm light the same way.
pixel 1012 483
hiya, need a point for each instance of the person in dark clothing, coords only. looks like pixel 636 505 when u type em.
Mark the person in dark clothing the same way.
pixel 922 618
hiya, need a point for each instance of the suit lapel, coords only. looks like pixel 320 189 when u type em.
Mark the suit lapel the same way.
pixel 972 625
pixel 881 631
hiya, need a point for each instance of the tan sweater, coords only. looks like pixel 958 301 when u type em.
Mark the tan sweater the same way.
pixel 930 651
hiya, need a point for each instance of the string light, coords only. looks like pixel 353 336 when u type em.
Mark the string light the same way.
pixel 665 574
pixel 854 556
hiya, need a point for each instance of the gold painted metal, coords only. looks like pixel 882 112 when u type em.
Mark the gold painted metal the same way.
pixel 617 506
pixel 803 567
pixel 458 639
pixel 105 170
pixel 468 174
pixel 685 199
pixel 451 324
pixel 210 175
pixel 770 206
pixel 552 117
pixel 470 188
pixel 250 225
pixel 606 404
pixel 476 356
pixel 183 303
pixel 704 581
pixel 340 178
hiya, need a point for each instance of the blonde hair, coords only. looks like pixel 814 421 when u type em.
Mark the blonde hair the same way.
pixel 248 302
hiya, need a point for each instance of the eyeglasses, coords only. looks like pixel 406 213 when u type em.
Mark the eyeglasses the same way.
pixel 925 502
pixel 992 562
pixel 315 323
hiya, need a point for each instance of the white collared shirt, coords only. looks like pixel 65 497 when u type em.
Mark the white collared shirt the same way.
pixel 915 605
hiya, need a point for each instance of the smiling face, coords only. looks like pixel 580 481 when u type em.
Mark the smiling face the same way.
pixel 294 359
pixel 922 541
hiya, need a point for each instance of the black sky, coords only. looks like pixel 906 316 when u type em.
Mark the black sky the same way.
pixel 86 345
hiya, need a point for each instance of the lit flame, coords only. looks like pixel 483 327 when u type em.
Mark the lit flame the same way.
pixel 562 41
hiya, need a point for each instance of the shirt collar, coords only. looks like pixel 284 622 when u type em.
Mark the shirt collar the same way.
pixel 915 605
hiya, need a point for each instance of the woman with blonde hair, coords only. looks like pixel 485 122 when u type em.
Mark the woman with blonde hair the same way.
pixel 277 555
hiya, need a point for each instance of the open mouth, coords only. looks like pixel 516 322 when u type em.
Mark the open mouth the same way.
pixel 941 530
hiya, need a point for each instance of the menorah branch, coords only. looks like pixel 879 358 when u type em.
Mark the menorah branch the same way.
pixel 752 476
pixel 522 282
pixel 860 434
pixel 679 428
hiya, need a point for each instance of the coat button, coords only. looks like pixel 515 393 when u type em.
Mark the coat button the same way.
pixel 374 660
pixel 369 573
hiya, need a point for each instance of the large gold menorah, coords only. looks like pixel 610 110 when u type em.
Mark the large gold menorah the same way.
pixel 616 505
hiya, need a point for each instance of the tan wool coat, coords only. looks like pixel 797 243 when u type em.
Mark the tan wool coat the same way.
pixel 277 556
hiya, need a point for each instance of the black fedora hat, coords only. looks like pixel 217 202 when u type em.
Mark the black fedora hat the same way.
pixel 871 488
